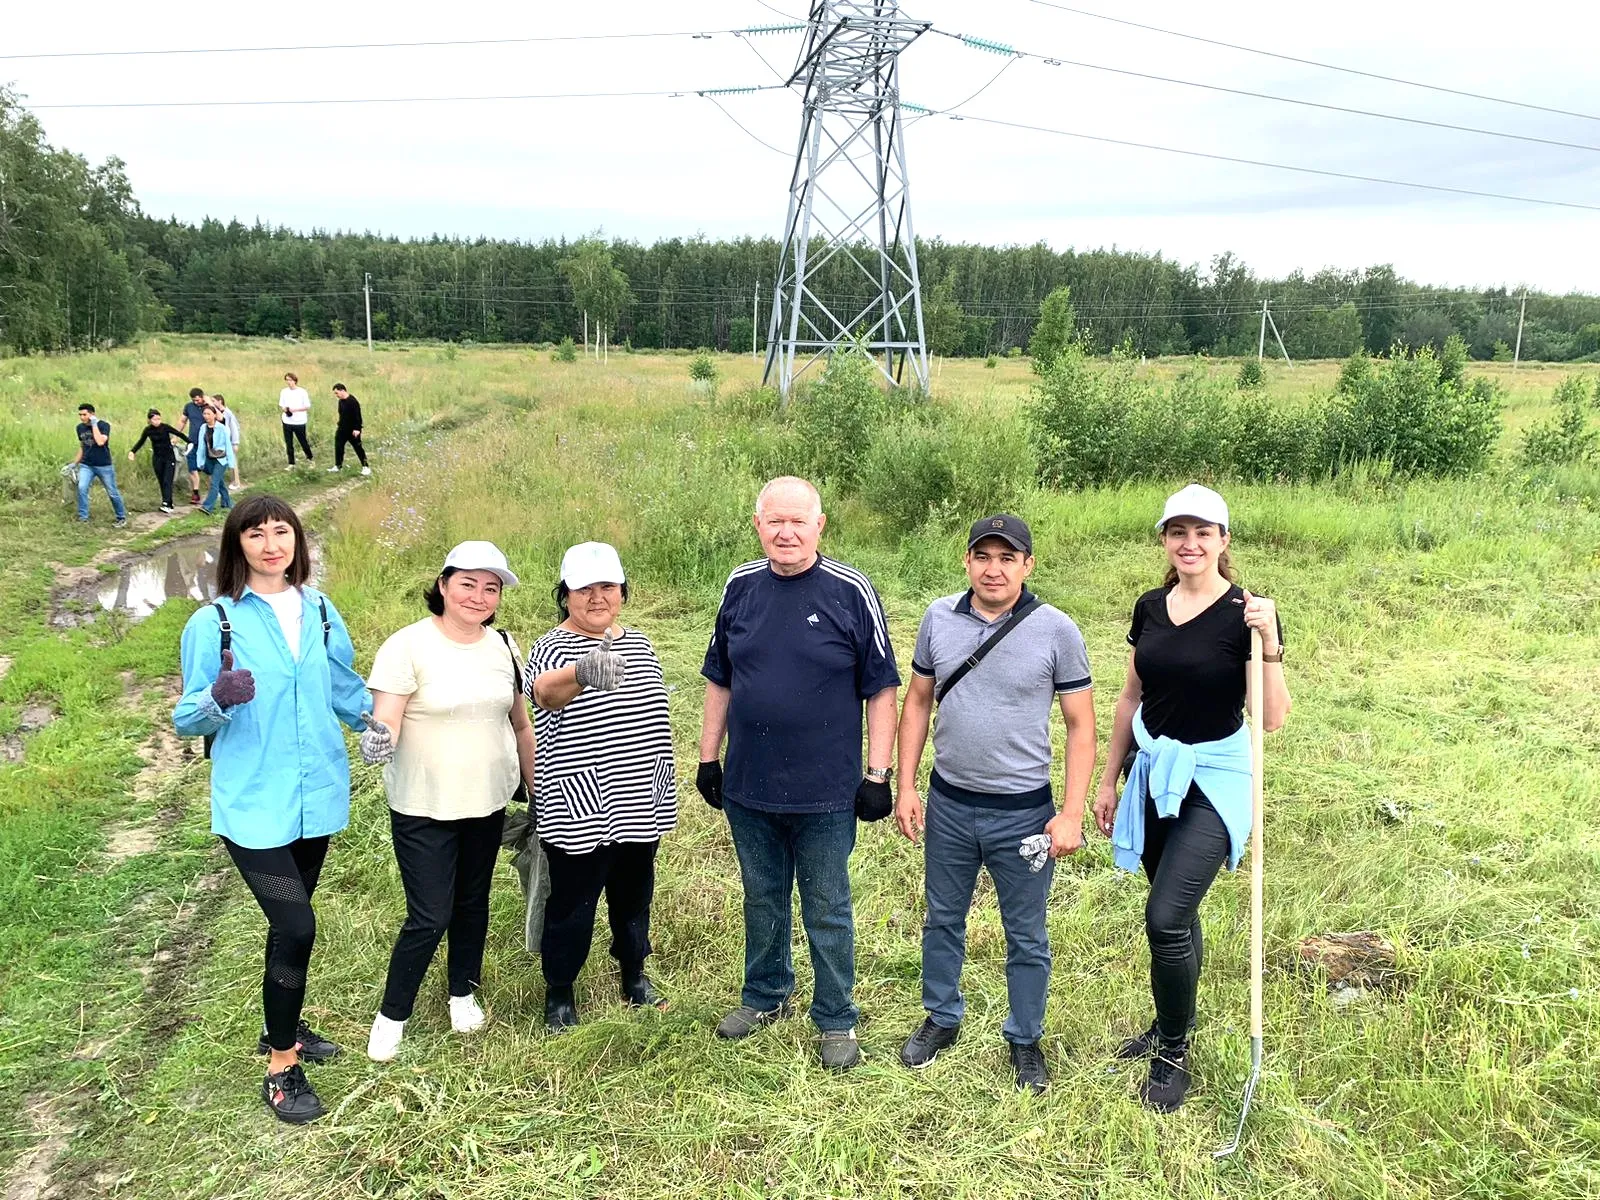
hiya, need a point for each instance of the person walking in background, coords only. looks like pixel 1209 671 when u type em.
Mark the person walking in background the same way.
pixel 94 462
pixel 1186 808
pixel 799 646
pixel 451 727
pixel 163 459
pixel 295 405
pixel 231 420
pixel 606 790
pixel 268 673
pixel 349 431
pixel 216 452
pixel 989 798
pixel 191 423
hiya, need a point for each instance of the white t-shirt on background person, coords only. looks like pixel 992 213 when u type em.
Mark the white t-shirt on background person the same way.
pixel 457 753
pixel 288 606
pixel 298 401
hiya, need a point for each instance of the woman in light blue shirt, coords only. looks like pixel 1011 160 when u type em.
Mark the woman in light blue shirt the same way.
pixel 268 674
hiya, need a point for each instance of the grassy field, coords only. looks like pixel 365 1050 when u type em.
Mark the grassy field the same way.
pixel 1438 782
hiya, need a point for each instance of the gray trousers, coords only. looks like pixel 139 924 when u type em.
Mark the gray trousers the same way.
pixel 959 839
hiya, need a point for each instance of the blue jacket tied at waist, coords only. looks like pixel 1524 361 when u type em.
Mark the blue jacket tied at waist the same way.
pixel 1165 768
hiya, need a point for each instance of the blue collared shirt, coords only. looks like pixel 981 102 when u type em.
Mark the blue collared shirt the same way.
pixel 279 766
pixel 1164 769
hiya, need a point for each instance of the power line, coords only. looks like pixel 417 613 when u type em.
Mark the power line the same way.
pixel 766 87
pixel 501 41
pixel 742 127
pixel 1308 62
pixel 1058 61
pixel 1256 162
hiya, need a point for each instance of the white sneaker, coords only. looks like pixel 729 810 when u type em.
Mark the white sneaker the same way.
pixel 465 1015
pixel 333 470
pixel 383 1043
pixel 366 470
pixel 290 467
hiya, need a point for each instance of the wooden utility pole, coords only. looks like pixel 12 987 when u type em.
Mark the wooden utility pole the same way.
pixel 1261 342
pixel 366 294
pixel 1516 357
pixel 755 316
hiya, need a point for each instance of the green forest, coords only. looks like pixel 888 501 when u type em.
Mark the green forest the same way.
pixel 82 265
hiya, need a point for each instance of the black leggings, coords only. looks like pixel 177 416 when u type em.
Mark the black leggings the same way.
pixel 290 432
pixel 626 872
pixel 282 880
pixel 446 867
pixel 165 469
pixel 344 438
pixel 1182 856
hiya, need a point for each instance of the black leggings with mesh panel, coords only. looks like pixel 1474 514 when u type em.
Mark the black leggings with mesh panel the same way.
pixel 282 880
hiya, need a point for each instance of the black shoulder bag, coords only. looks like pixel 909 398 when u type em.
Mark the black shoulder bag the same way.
pixel 520 796
pixel 1018 615
pixel 225 630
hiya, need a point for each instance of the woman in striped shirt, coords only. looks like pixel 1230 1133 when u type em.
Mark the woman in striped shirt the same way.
pixel 606 786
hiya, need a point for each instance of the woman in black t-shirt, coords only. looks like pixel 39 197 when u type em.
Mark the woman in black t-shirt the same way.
pixel 1186 682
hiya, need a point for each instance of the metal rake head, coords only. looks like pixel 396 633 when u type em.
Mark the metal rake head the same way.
pixel 1249 1095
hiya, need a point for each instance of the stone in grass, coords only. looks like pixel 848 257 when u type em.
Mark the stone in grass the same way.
pixel 1389 812
pixel 1354 963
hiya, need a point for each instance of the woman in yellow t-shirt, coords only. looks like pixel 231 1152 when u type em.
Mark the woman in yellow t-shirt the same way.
pixel 453 732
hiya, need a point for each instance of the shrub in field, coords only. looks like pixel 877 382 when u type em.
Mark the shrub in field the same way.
pixel 991 362
pixel 1251 375
pixel 946 470
pixel 1278 441
pixel 1079 419
pixel 1416 412
pixel 1567 438
pixel 837 415
pixel 566 351
pixel 1056 330
pixel 703 368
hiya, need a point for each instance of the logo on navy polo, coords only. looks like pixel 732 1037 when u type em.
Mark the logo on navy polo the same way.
pixel 812 620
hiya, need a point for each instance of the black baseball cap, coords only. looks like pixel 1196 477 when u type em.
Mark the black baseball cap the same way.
pixel 1004 526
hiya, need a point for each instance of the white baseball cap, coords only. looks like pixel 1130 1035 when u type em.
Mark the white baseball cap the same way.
pixel 1195 501
pixel 481 556
pixel 589 563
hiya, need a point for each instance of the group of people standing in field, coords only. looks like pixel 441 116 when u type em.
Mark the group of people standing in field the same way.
pixel 211 434
pixel 799 664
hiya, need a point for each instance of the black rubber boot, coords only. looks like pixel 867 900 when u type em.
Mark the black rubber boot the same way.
pixel 638 991
pixel 560 1010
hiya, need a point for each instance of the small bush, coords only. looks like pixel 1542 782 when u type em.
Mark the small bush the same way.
pixel 1056 329
pixel 1566 439
pixel 946 469
pixel 991 362
pixel 837 415
pixel 1252 376
pixel 565 351
pixel 703 368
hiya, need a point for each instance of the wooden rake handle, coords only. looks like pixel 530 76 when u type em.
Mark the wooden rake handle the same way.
pixel 1256 677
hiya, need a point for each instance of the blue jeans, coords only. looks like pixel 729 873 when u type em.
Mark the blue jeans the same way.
pixel 108 480
pixel 776 851
pixel 958 840
pixel 219 487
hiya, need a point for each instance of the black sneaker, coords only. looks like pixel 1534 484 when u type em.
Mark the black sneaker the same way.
pixel 744 1020
pixel 560 1010
pixel 313 1047
pixel 290 1096
pixel 639 992
pixel 1028 1061
pixel 924 1045
pixel 1141 1046
pixel 1169 1080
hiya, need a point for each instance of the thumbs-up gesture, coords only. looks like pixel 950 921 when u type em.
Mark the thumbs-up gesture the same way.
pixel 377 741
pixel 602 668
pixel 232 686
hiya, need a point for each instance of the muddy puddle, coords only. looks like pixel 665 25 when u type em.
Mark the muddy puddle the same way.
pixel 185 569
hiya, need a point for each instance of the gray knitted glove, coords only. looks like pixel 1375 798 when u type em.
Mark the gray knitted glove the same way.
pixel 377 742
pixel 1036 849
pixel 602 668
pixel 232 687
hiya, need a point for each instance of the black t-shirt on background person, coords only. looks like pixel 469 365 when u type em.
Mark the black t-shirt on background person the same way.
pixel 350 413
pixel 160 439
pixel 1192 674
pixel 95 455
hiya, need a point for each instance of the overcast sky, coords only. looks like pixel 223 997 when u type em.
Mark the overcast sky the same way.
pixel 655 166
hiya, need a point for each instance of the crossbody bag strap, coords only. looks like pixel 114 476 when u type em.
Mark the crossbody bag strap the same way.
pixel 225 643
pixel 327 626
pixel 516 668
pixel 977 656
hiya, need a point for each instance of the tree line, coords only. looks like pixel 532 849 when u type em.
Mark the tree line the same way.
pixel 82 265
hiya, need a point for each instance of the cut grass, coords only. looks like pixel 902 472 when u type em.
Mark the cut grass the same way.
pixel 1442 646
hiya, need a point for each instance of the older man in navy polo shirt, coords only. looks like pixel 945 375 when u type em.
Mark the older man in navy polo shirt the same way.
pixel 800 647
pixel 989 799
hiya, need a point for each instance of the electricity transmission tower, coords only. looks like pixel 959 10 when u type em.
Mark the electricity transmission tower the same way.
pixel 849 200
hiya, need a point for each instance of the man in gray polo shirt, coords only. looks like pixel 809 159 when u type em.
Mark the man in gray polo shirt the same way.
pixel 990 790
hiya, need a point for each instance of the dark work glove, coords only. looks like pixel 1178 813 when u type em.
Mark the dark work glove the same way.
pixel 708 782
pixel 874 800
pixel 232 687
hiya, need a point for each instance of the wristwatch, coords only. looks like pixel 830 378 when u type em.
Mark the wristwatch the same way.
pixel 1272 658
pixel 880 774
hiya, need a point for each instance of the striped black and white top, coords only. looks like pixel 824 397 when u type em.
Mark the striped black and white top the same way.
pixel 604 762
